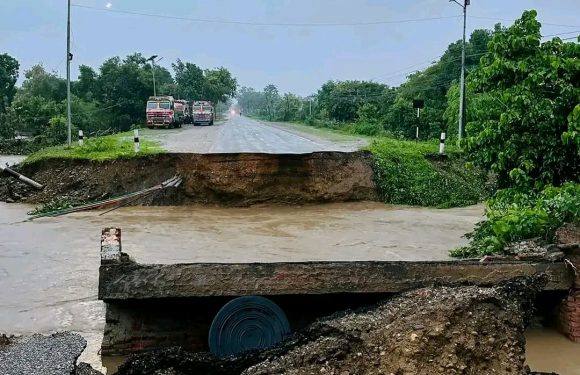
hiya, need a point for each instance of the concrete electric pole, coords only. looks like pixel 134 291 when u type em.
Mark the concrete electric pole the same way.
pixel 152 59
pixel 462 100
pixel 68 60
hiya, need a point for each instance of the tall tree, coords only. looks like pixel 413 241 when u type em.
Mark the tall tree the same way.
pixel 271 97
pixel 189 79
pixel 219 85
pixel 526 131
pixel 8 76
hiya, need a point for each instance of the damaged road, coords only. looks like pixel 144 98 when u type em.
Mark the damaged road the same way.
pixel 441 330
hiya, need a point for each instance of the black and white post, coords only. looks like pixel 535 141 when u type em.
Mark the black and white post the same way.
pixel 442 144
pixel 418 104
pixel 136 141
pixel 81 138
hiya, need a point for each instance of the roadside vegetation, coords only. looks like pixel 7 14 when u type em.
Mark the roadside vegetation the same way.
pixel 413 173
pixel 108 100
pixel 524 126
pixel 118 146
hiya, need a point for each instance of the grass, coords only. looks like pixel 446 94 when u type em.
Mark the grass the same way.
pixel 116 146
pixel 412 173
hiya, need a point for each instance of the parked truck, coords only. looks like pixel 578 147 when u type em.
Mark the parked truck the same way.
pixel 164 111
pixel 203 113
pixel 183 112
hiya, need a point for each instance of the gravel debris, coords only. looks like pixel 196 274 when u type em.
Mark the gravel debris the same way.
pixel 42 355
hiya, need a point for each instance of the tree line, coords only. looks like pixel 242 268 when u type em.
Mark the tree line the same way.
pixel 374 108
pixel 111 98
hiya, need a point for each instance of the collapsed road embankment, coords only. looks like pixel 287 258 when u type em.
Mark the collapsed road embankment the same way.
pixel 435 330
pixel 225 179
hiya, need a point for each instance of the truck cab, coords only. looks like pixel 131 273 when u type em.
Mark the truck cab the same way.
pixel 160 112
pixel 203 113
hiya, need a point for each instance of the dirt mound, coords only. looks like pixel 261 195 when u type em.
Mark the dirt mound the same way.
pixel 462 330
pixel 226 179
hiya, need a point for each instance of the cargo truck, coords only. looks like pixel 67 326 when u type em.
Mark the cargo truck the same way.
pixel 203 113
pixel 163 111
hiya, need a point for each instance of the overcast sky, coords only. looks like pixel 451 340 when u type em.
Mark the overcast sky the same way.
pixel 297 59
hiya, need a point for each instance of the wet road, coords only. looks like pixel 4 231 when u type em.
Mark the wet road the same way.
pixel 243 134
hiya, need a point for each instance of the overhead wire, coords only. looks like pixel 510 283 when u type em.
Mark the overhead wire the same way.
pixel 512 20
pixel 280 24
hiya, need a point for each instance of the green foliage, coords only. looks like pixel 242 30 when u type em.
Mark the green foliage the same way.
pixel 118 146
pixel 513 215
pixel 523 124
pixel 8 77
pixel 410 173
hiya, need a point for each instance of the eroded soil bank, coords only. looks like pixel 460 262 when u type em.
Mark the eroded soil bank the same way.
pixel 442 330
pixel 226 179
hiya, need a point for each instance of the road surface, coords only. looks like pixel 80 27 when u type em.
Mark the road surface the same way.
pixel 243 134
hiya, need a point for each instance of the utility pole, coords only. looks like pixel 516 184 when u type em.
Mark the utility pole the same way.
pixel 462 100
pixel 68 60
pixel 153 70
pixel 152 59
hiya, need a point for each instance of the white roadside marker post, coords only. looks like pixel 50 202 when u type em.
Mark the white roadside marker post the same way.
pixel 81 138
pixel 136 139
pixel 442 144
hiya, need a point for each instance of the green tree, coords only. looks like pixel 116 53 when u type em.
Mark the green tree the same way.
pixel 39 82
pixel 8 76
pixel 271 99
pixel 189 79
pixel 525 129
pixel 219 85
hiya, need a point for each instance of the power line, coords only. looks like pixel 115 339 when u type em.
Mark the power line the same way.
pixel 569 32
pixel 512 20
pixel 247 23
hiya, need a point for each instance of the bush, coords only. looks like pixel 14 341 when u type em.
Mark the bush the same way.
pixel 513 215
pixel 411 173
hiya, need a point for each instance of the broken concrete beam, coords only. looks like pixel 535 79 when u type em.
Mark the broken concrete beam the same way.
pixel 127 280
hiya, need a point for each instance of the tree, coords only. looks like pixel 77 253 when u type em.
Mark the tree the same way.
pixel 8 76
pixel 39 82
pixel 272 97
pixel 189 79
pixel 219 85
pixel 524 126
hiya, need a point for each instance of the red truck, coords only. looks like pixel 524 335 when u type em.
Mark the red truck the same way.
pixel 203 113
pixel 164 111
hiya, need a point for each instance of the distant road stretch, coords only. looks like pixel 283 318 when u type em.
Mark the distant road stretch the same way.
pixel 242 134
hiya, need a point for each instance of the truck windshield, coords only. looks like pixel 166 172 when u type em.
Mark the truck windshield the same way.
pixel 164 105
pixel 151 105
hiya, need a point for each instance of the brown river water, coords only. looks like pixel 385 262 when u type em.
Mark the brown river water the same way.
pixel 49 267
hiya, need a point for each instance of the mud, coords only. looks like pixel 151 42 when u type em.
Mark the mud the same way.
pixel 462 330
pixel 224 179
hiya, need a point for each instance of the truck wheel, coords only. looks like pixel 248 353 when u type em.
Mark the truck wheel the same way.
pixel 247 323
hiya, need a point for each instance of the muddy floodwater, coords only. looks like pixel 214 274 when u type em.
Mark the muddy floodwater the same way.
pixel 49 267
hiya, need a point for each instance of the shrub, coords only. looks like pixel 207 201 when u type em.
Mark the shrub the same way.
pixel 513 215
pixel 410 173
